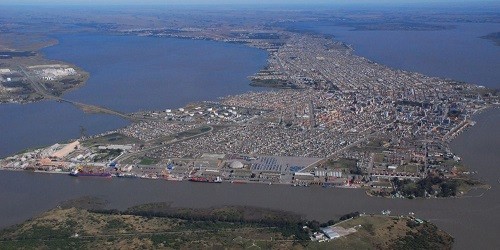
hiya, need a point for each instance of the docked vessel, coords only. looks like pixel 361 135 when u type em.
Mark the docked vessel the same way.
pixel 122 175
pixel 203 179
pixel 239 182
pixel 80 173
pixel 174 178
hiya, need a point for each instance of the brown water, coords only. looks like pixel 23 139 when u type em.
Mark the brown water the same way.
pixel 472 221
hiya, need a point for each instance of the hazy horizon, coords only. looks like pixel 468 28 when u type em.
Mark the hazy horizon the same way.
pixel 245 2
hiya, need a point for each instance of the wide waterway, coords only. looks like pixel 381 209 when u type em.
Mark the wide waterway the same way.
pixel 132 73
pixel 128 73
pixel 472 221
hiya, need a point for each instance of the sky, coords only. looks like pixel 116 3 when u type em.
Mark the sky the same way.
pixel 215 2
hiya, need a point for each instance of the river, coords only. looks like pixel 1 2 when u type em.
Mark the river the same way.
pixel 472 221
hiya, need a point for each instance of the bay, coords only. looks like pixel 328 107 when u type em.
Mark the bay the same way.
pixel 133 73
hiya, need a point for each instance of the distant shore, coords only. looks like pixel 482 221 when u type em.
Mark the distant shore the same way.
pixel 494 37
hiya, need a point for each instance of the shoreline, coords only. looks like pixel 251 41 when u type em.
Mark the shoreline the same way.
pixel 482 186
pixel 455 133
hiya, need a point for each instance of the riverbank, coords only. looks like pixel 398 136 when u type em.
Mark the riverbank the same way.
pixel 84 223
pixel 30 78
pixel 230 117
pixel 466 220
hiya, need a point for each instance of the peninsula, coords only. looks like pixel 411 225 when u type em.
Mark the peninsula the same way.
pixel 335 119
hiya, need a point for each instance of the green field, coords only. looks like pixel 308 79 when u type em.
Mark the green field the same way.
pixel 114 138
pixel 148 161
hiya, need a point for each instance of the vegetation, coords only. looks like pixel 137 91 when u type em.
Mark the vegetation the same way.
pixel 148 161
pixel 161 226
pixel 385 232
pixel 192 132
pixel 113 138
pixel 373 145
pixel 424 238
pixel 350 165
pixel 157 226
pixel 342 218
pixel 433 186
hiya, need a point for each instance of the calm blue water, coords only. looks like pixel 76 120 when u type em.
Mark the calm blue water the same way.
pixel 457 53
pixel 39 124
pixel 131 73
pixel 128 73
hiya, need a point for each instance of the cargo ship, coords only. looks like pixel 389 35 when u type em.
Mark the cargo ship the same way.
pixel 122 175
pixel 203 179
pixel 78 173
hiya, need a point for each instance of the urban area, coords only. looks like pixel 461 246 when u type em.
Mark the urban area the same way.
pixel 327 117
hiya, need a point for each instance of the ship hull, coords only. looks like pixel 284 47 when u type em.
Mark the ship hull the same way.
pixel 205 180
pixel 102 175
